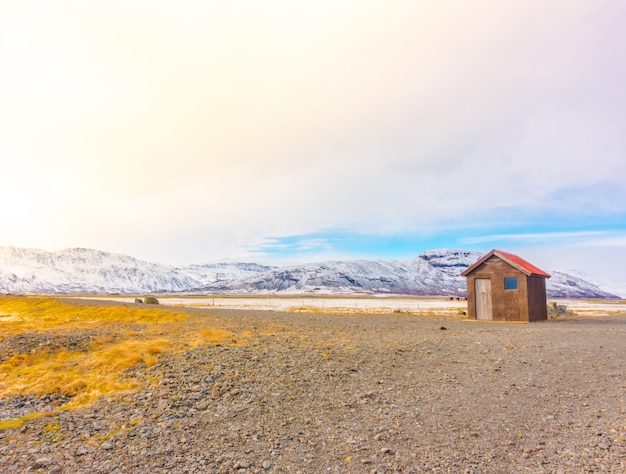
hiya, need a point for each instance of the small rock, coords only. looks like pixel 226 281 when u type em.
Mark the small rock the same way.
pixel 41 462
pixel 107 446
pixel 267 464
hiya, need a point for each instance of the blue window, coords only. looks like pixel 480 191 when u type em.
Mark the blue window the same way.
pixel 510 283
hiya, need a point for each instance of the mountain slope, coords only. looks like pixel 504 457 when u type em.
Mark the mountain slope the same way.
pixel 210 273
pixel 92 271
pixel 415 277
pixel 451 261
pixel 84 271
pixel 563 285
pixel 436 272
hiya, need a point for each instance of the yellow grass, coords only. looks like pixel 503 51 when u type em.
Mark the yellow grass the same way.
pixel 101 369
pixel 79 375
pixel 19 315
pixel 209 335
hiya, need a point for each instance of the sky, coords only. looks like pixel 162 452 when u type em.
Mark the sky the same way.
pixel 279 131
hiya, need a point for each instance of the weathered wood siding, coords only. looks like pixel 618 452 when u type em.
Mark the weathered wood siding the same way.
pixel 537 304
pixel 526 303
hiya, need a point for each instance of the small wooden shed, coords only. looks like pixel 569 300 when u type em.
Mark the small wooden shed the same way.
pixel 504 287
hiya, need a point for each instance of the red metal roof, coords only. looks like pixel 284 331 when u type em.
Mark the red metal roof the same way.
pixel 513 260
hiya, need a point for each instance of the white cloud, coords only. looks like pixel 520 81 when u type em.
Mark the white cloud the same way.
pixel 197 130
pixel 541 237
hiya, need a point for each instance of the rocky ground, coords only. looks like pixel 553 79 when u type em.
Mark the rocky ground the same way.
pixel 317 393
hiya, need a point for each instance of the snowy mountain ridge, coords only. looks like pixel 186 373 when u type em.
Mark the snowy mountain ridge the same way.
pixel 435 272
pixel 83 271
pixel 91 271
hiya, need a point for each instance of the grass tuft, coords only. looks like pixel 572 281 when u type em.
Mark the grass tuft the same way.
pixel 101 367
pixel 40 314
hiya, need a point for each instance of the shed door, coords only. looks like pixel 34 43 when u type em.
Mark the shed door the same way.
pixel 483 298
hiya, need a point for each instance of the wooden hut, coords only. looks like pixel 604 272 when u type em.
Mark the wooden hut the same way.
pixel 504 287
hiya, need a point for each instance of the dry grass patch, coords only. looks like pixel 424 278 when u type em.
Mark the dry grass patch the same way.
pixel 81 376
pixel 20 315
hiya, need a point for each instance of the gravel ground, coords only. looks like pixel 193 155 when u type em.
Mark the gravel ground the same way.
pixel 315 393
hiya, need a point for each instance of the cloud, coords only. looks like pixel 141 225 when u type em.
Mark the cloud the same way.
pixel 206 129
pixel 539 237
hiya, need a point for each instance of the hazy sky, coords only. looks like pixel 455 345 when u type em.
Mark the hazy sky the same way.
pixel 190 131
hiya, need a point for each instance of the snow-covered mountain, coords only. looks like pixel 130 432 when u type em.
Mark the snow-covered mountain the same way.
pixel 84 271
pixel 564 285
pixel 92 271
pixel 451 261
pixel 415 277
pixel 606 284
pixel 436 272
pixel 211 273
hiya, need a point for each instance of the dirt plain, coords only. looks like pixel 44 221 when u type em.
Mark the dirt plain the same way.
pixel 370 393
